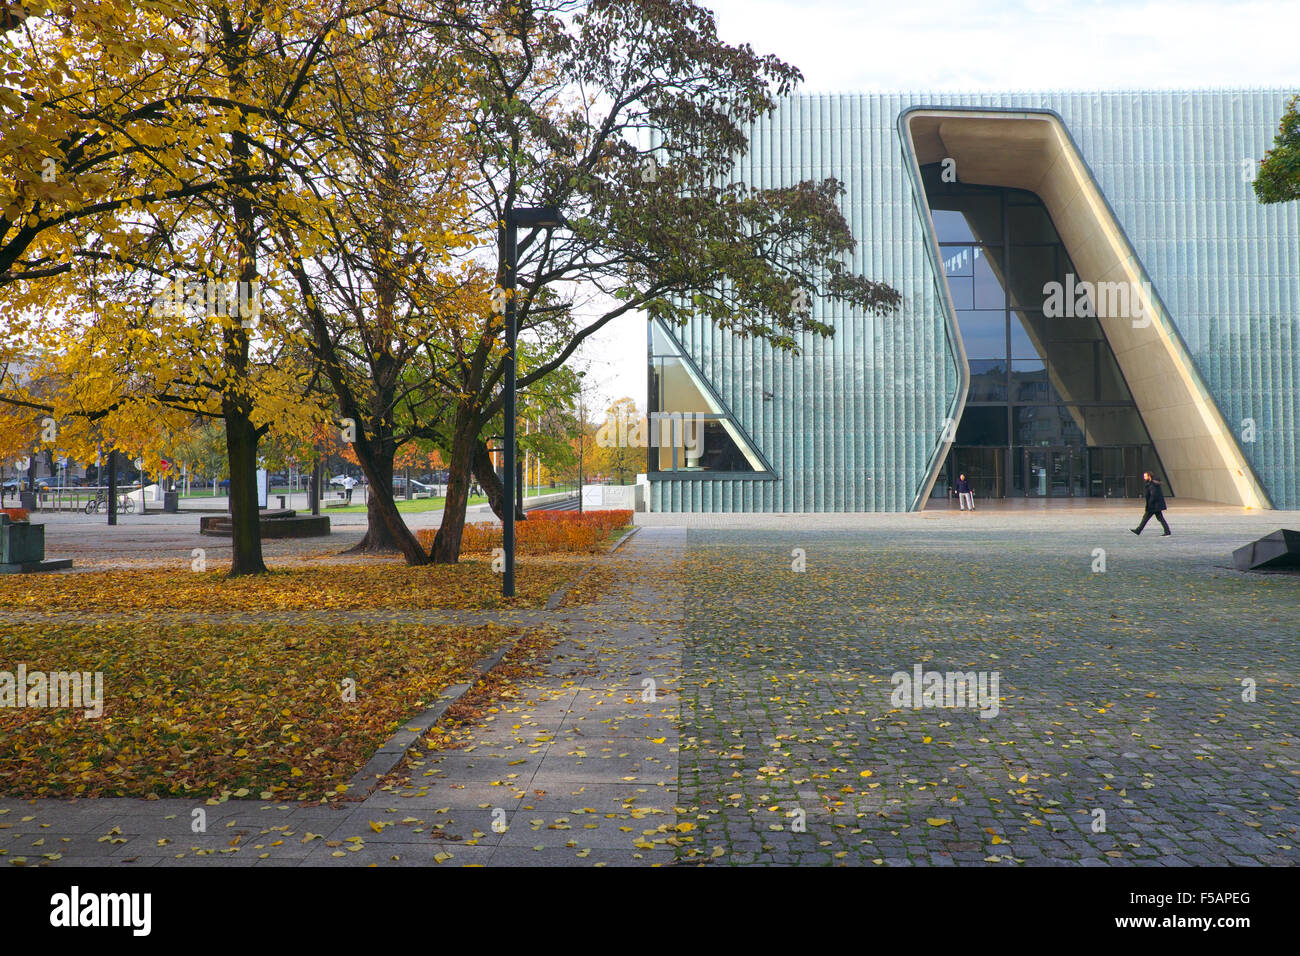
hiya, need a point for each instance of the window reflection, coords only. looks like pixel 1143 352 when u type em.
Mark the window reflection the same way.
pixel 1037 383
pixel 686 430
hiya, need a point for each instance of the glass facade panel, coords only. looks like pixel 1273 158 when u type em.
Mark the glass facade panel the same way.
pixel 1110 381
pixel 1029 223
pixel 1046 425
pixel 958 261
pixel 983 425
pixel 686 430
pixel 983 333
pixel 1031 383
pixel 1035 266
pixel 1048 412
pixel 989 293
pixel 1074 369
pixel 951 226
pixel 1025 338
pixel 988 380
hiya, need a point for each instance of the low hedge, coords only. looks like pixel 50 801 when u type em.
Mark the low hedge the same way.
pixel 543 532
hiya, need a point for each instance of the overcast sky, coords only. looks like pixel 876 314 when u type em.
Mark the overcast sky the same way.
pixel 842 46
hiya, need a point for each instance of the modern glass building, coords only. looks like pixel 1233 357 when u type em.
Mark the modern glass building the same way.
pixel 1090 291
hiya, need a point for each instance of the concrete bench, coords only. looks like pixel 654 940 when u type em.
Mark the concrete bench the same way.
pixel 273 524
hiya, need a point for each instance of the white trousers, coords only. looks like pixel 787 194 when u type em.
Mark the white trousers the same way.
pixel 967 500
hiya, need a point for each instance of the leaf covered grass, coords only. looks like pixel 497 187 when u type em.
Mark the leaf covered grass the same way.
pixel 471 584
pixel 220 709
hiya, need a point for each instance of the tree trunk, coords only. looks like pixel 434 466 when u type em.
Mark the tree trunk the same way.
pixel 446 544
pixel 241 452
pixel 386 531
pixel 492 485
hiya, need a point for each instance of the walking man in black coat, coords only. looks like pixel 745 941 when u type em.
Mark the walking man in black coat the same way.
pixel 1155 504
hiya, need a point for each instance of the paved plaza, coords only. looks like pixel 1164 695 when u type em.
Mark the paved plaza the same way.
pixel 1120 735
pixel 733 699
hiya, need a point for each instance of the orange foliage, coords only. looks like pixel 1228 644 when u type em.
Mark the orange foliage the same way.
pixel 411 456
pixel 543 532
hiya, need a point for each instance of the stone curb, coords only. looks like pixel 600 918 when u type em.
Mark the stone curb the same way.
pixel 395 749
pixel 553 602
pixel 386 758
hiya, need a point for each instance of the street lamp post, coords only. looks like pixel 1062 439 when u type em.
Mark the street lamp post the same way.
pixel 541 217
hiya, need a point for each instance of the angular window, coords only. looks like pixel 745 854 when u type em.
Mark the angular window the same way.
pixel 688 429
pixel 1045 390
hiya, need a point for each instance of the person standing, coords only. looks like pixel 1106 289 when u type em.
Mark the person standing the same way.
pixel 348 484
pixel 965 493
pixel 1155 504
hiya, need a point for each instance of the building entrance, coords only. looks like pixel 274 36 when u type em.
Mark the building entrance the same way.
pixel 1047 471
pixel 1048 413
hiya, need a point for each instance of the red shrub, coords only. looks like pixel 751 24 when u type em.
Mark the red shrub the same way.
pixel 543 532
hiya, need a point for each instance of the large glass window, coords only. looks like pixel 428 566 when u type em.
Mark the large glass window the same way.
pixel 687 429
pixel 1048 411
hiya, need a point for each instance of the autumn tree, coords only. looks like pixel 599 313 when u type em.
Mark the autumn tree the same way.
pixel 371 254
pixel 91 99
pixel 617 454
pixel 170 170
pixel 629 116
pixel 1278 177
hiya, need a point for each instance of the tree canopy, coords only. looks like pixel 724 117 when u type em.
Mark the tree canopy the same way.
pixel 1278 177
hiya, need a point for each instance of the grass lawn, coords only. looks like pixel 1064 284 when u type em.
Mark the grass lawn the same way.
pixel 407 507
pixel 226 708
pixel 434 504
pixel 469 585
pixel 219 688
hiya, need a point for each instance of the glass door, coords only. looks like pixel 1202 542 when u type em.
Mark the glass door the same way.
pixel 1049 473
pixel 1060 484
pixel 1036 472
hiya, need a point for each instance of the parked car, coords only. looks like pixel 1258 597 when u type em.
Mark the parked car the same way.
pixel 417 487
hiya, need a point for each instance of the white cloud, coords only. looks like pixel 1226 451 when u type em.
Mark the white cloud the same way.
pixel 844 46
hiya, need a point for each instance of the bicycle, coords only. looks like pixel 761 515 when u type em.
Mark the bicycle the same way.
pixel 125 504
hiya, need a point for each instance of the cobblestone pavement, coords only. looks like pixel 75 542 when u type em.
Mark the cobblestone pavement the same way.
pixel 771 733
pixel 1121 735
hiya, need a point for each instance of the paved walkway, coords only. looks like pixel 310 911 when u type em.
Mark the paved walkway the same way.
pixel 775 736
pixel 574 772
pixel 1120 735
